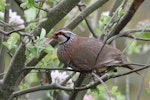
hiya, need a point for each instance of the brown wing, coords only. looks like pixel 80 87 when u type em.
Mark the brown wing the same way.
pixel 86 51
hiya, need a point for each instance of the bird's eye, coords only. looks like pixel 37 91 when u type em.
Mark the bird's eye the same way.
pixel 55 36
pixel 60 33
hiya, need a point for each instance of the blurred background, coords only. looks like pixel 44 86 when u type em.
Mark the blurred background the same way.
pixel 138 51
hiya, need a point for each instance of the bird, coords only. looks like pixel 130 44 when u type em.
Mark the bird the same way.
pixel 82 53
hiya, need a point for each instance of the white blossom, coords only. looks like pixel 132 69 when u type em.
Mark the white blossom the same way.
pixel 14 18
pixel 106 13
pixel 88 97
pixel 58 77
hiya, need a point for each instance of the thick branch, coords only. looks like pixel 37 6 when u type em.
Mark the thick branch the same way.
pixel 85 13
pixel 126 18
pixel 17 63
pixel 55 15
pixel 2 39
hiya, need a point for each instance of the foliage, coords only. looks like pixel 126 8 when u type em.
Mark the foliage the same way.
pixel 11 43
pixel 27 3
pixel 100 93
pixel 2 6
pixel 36 13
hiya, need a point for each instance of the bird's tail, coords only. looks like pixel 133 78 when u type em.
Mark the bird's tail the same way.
pixel 124 61
pixel 131 67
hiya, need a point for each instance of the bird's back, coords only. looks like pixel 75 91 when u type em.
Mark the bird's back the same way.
pixel 86 51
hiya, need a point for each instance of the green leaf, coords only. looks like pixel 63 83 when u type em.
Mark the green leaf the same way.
pixel 31 78
pixel 5 44
pixel 146 34
pixel 114 89
pixel 35 52
pixel 103 21
pixel 2 5
pixel 48 48
pixel 134 47
pixel 30 14
pixel 120 12
pixel 43 33
pixel 31 2
pixel 24 5
pixel 120 97
pixel 148 91
pixel 27 4
pixel 11 42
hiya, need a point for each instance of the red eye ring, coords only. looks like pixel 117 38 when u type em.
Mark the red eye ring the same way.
pixel 55 36
pixel 60 33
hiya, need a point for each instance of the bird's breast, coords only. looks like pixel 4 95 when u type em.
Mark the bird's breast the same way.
pixel 64 54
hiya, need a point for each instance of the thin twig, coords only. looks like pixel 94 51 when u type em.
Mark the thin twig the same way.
pixel 142 81
pixel 88 23
pixel 47 69
pixel 111 22
pixel 2 23
pixel 67 79
pixel 127 47
pixel 16 30
pixel 123 74
pixel 115 5
pixel 41 5
pixel 2 74
pixel 136 38
pixel 101 81
pixel 127 88
pixel 124 33
pixel 64 69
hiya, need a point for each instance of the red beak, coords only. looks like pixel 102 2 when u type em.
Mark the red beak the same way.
pixel 54 37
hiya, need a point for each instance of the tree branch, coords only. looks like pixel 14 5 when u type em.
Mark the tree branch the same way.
pixel 11 79
pixel 142 82
pixel 55 14
pixel 74 93
pixel 68 78
pixel 3 38
pixel 88 24
pixel 115 5
pixel 134 30
pixel 101 81
pixel 85 13
pixel 46 69
pixel 127 34
pixel 16 30
pixel 136 38
pixel 57 86
pixel 126 17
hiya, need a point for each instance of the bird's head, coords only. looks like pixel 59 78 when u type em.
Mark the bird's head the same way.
pixel 63 35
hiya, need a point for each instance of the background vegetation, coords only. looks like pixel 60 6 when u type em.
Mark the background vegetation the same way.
pixel 30 70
